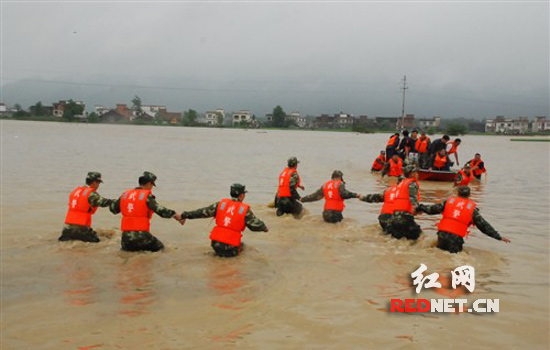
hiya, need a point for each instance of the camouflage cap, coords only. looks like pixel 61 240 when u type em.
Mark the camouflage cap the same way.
pixel 237 189
pixel 467 166
pixel 409 169
pixel 400 178
pixel 337 173
pixel 293 161
pixel 94 176
pixel 463 191
pixel 150 177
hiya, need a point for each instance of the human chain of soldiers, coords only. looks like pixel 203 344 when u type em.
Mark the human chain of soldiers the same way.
pixel 233 216
pixel 427 155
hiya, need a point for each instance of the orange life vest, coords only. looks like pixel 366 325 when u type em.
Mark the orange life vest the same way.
pixel 230 222
pixel 284 182
pixel 454 147
pixel 402 201
pixel 333 200
pixel 422 145
pixel 389 200
pixel 391 141
pixel 80 211
pixel 465 178
pixel 136 216
pixel 396 169
pixel 474 163
pixel 376 165
pixel 440 162
pixel 457 216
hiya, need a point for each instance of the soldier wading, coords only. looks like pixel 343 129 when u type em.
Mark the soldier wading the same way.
pixel 137 207
pixel 334 192
pixel 232 217
pixel 286 200
pixel 83 203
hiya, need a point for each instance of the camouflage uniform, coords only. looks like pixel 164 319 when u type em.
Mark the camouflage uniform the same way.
pixel 290 205
pixel 383 219
pixel 451 242
pixel 143 240
pixel 84 233
pixel 222 249
pixel 332 216
pixel 402 223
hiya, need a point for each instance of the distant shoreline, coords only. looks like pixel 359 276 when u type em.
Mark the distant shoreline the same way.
pixel 471 133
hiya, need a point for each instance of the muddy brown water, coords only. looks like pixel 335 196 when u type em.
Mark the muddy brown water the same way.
pixel 304 285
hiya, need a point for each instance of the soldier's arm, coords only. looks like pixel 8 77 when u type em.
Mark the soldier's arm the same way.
pixel 345 194
pixel 293 184
pixel 206 212
pixel 432 209
pixel 95 200
pixel 253 223
pixel 484 226
pixel 413 194
pixel 315 196
pixel 374 198
pixel 161 211
pixel 458 178
pixel 115 206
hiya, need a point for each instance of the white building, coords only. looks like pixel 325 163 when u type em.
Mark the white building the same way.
pixel 3 108
pixel 100 110
pixel 241 116
pixel 343 120
pixel 295 118
pixel 434 122
pixel 152 110
pixel 212 117
pixel 540 124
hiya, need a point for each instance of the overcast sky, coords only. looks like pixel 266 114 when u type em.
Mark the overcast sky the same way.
pixel 474 59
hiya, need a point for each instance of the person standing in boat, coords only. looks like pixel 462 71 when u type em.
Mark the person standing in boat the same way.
pixel 452 148
pixel 422 146
pixel 438 145
pixel 391 146
pixel 441 161
pixel 404 146
pixel 411 148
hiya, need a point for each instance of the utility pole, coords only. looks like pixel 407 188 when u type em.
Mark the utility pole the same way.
pixel 404 88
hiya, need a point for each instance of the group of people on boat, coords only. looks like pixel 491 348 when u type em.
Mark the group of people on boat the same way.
pixel 426 155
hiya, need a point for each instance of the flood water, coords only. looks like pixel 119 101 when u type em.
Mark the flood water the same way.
pixel 305 284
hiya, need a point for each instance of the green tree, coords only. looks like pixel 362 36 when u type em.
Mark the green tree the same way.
pixel 431 130
pixel 71 110
pixel 38 109
pixel 93 118
pixel 158 118
pixel 136 106
pixel 457 129
pixel 220 119
pixel 190 118
pixel 17 107
pixel 279 117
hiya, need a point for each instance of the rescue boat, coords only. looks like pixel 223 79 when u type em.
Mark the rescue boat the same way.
pixel 436 175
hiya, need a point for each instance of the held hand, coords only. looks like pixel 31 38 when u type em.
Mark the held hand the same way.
pixel 506 240
pixel 177 217
pixel 182 222
pixel 302 187
pixel 266 230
